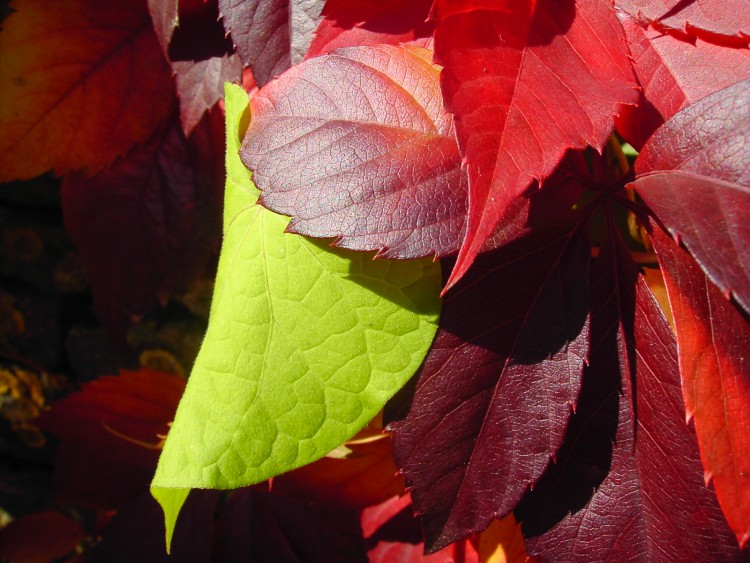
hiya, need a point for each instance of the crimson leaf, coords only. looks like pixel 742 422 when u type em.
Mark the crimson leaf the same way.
pixel 713 341
pixel 356 145
pixel 526 81
pixel 673 73
pixel 694 173
pixel 494 395
pixel 641 498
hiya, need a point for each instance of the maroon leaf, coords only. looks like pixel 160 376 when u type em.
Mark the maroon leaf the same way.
pixel 270 35
pixel 136 532
pixel 356 145
pixel 694 174
pixel 260 526
pixel 106 429
pixel 144 226
pixel 642 497
pixel 526 81
pixel 348 23
pixel 673 73
pixel 713 19
pixel 494 395
pixel 713 340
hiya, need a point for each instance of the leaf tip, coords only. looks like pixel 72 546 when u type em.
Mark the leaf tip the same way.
pixel 171 502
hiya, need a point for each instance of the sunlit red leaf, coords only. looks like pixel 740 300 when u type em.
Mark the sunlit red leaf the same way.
pixel 146 225
pixel 526 81
pixel 494 395
pixel 714 342
pixel 81 82
pixel 628 484
pixel 348 23
pixel 39 538
pixel 673 73
pixel 714 19
pixel 106 430
pixel 367 476
pixel 260 526
pixel 694 174
pixel 270 35
pixel 356 145
pixel 392 533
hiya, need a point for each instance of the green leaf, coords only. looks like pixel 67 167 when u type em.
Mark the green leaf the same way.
pixel 305 344
pixel 171 501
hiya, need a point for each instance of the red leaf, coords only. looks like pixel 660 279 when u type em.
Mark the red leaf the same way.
pixel 81 82
pixel 713 340
pixel 39 538
pixel 713 19
pixel 262 526
pixel 99 463
pixel 270 35
pixel 144 226
pixel 526 81
pixel 356 145
pixel 349 23
pixel 641 497
pixel 694 174
pixel 496 390
pixel 673 73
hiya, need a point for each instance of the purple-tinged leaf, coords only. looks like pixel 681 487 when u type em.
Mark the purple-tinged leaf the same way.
pixel 673 73
pixel 356 145
pixel 495 393
pixel 262 526
pixel 629 470
pixel 694 174
pixel 270 35
pixel 146 225
pixel 348 23
pixel 713 342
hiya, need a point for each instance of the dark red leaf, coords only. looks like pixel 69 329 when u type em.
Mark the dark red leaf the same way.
pixel 348 23
pixel 494 395
pixel 714 19
pixel 201 56
pixel 356 145
pixel 81 83
pixel 105 430
pixel 270 35
pixel 714 342
pixel 39 538
pixel 260 526
pixel 526 81
pixel 694 174
pixel 629 470
pixel 144 226
pixel 136 532
pixel 673 73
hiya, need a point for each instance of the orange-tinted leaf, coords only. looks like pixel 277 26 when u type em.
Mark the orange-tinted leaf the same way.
pixel 110 434
pixel 39 538
pixel 714 346
pixel 365 477
pixel 526 81
pixel 81 82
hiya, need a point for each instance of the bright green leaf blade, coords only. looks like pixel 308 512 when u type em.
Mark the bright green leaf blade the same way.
pixel 305 345
pixel 171 501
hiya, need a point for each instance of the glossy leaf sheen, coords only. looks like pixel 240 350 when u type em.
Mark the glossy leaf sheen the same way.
pixel 494 394
pixel 714 344
pixel 710 18
pixel 304 345
pixel 673 74
pixel 80 84
pixel 356 145
pixel 694 174
pixel 526 81
pixel 629 470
